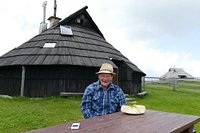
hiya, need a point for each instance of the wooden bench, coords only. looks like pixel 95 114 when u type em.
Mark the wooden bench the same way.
pixel 70 94
pixel 142 94
pixel 5 96
pixel 130 99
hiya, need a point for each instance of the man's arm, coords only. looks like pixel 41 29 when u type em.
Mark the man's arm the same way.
pixel 86 105
pixel 122 98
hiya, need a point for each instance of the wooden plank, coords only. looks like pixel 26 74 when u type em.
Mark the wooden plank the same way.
pixel 70 94
pixel 150 122
pixel 130 99
pixel 22 81
pixel 142 94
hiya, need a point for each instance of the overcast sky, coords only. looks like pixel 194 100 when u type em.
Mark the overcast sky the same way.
pixel 153 34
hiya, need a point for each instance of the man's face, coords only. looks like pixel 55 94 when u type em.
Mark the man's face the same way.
pixel 105 79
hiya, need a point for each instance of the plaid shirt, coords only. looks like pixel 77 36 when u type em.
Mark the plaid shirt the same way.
pixel 97 102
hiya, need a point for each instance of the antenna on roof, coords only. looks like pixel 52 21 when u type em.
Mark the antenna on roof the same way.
pixel 53 19
pixel 44 10
pixel 55 7
pixel 43 25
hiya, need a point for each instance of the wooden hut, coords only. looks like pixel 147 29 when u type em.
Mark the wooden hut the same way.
pixel 64 58
pixel 176 73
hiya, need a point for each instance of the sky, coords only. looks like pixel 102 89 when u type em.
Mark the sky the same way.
pixel 155 35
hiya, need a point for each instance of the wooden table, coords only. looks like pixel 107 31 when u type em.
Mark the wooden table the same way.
pixel 150 122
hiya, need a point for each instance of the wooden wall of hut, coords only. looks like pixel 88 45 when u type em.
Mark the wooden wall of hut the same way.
pixel 43 81
pixel 51 80
pixel 10 80
pixel 128 80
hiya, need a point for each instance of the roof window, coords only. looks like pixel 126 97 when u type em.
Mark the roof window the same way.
pixel 49 45
pixel 66 30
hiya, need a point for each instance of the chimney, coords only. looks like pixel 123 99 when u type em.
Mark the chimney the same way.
pixel 53 19
pixel 43 25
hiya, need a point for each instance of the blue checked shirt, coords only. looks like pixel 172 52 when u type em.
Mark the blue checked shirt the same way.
pixel 97 102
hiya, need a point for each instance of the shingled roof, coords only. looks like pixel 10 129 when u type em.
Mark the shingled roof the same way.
pixel 86 47
pixel 177 73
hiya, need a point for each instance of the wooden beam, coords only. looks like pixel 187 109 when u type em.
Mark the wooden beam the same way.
pixel 22 81
pixel 70 94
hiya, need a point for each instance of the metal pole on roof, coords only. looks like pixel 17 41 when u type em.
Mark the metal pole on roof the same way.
pixel 55 7
pixel 43 25
pixel 44 10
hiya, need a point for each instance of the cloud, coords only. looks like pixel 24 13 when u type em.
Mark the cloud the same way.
pixel 155 62
pixel 154 35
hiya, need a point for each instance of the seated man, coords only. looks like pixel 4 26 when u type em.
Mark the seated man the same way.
pixel 102 97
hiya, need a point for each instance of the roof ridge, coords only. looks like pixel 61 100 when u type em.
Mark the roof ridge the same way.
pixel 75 15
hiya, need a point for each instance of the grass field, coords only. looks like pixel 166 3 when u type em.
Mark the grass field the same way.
pixel 22 114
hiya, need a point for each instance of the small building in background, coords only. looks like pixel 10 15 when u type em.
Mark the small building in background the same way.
pixel 176 73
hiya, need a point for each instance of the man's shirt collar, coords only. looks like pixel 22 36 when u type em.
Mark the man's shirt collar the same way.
pixel 110 86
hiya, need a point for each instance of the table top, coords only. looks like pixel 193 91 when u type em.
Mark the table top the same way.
pixel 149 122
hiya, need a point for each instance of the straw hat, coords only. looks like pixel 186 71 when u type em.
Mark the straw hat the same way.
pixel 106 68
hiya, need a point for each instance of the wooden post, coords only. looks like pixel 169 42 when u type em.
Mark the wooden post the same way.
pixel 22 81
pixel 174 84
pixel 143 83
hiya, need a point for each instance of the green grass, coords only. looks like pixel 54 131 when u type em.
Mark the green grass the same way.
pixel 179 101
pixel 191 82
pixel 21 114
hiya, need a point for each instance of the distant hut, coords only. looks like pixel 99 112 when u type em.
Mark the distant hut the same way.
pixel 177 73
pixel 64 58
